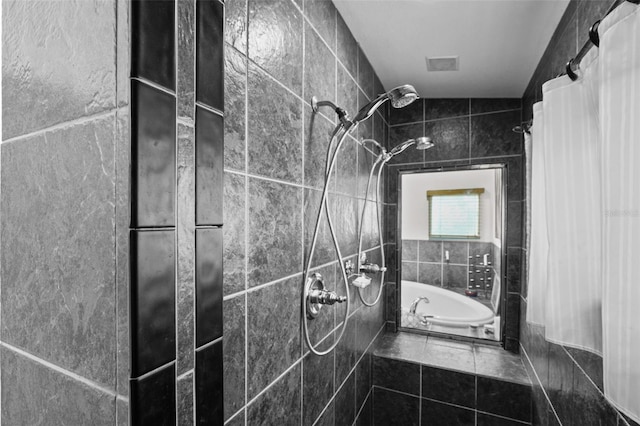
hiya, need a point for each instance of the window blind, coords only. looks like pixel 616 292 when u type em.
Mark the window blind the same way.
pixel 454 213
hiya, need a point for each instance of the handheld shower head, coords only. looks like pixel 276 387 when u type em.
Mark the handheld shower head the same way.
pixel 400 96
pixel 401 147
pixel 424 142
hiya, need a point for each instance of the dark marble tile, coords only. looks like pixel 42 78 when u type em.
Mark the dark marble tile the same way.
pixel 36 395
pixel 515 177
pixel 209 384
pixel 184 404
pixel 153 398
pixel 590 363
pixel 588 13
pixel 564 47
pixel 122 412
pixel 451 139
pixel 324 250
pixel 363 380
pixel 409 271
pixel 390 301
pixel 318 385
pixel 391 225
pixel 317 135
pixel 458 251
pixel 347 48
pixel 345 402
pixel 489 420
pixel 399 134
pixel 185 91
pixel 238 420
pixel 319 65
pixel 347 352
pixel 396 375
pixel 438 414
pixel 402 346
pixel 322 15
pixel 512 323
pixel 328 416
pixel 514 269
pixel 153 146
pixel 122 273
pixel 491 135
pixel 410 250
pixel 365 416
pixel 478 250
pixel 235 91
pixel 455 276
pixel 506 399
pixel 210 53
pixel 64 81
pixel 275 40
pixel 501 364
pixel 153 300
pixel 484 105
pixel 431 273
pixel 393 408
pixel 321 328
pixel 274 228
pixel 412 113
pixel 365 75
pixel 365 163
pixel 514 224
pixel 64 233
pixel 540 406
pixel 275 129
pixel 271 350
pixel 347 92
pixel 430 251
pixel 233 354
pixel 234 229
pixel 186 248
pixel 153 41
pixel 235 29
pixel 589 405
pixel 346 177
pixel 208 279
pixel 280 405
pixel 365 128
pixel 452 358
pixel 209 167
pixel 445 108
pixel 539 354
pixel 346 218
pixel 449 386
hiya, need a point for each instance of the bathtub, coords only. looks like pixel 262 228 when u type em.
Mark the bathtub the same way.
pixel 445 307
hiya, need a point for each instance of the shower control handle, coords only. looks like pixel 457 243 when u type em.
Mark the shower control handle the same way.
pixel 372 268
pixel 325 297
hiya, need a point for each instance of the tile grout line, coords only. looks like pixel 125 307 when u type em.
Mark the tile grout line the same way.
pixel 70 374
pixel 246 218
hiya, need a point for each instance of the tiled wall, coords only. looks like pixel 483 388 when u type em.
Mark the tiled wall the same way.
pixel 424 261
pixel 465 132
pixel 279 53
pixel 176 219
pixel 64 233
pixel 567 382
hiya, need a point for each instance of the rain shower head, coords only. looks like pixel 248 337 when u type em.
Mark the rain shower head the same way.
pixel 400 96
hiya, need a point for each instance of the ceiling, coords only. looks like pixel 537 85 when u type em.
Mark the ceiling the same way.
pixel 499 42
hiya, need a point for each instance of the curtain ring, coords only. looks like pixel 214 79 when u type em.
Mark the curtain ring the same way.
pixel 593 34
pixel 569 68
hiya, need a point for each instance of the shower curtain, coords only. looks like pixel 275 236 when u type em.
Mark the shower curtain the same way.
pixel 590 172
pixel 620 129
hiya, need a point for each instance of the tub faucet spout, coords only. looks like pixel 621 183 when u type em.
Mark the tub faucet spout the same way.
pixel 416 302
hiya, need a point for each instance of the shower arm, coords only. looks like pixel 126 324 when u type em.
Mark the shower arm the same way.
pixel 324 206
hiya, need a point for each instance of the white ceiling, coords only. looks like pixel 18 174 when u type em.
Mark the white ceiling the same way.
pixel 499 42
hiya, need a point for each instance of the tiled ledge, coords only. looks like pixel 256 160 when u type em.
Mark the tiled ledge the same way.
pixel 447 382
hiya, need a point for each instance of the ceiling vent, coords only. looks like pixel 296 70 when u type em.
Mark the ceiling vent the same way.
pixel 443 63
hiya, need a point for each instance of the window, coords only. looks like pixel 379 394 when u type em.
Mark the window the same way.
pixel 454 213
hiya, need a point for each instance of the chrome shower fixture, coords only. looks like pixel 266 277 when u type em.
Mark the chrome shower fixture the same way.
pixel 400 97
pixel 424 142
pixel 342 114
pixel 421 143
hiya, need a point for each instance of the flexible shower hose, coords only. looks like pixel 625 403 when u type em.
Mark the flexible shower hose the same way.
pixel 324 206
pixel 380 160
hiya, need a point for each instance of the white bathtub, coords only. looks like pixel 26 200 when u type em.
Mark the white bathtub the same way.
pixel 444 308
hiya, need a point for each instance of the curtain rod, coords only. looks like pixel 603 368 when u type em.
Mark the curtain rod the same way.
pixel 594 40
